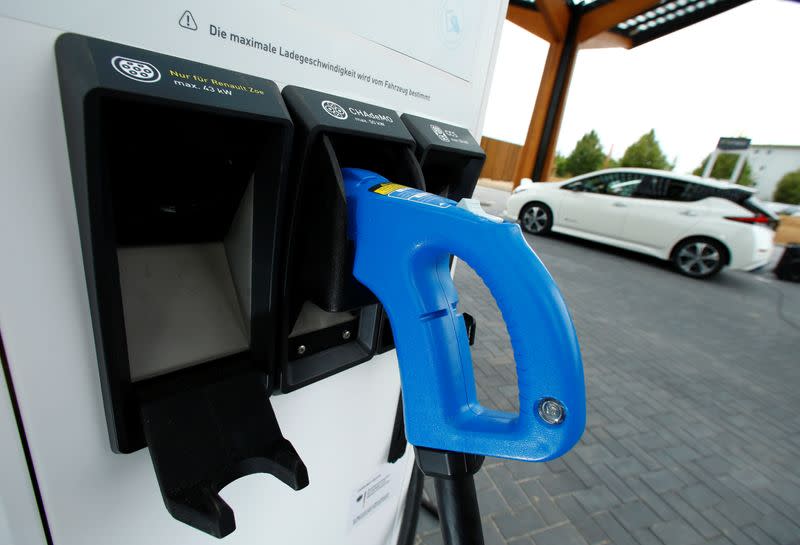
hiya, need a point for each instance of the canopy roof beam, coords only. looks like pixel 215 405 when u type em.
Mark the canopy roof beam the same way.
pixel 609 15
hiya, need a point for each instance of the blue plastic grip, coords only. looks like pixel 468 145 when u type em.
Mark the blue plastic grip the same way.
pixel 403 240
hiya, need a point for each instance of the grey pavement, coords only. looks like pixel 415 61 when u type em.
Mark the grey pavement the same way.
pixel 693 392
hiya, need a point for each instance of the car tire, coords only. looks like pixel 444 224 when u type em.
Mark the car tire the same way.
pixel 536 218
pixel 699 257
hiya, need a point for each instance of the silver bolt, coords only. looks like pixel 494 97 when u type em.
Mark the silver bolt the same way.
pixel 346 334
pixel 552 411
pixel 301 349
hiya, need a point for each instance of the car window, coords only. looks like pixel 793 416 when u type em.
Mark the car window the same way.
pixel 621 184
pixel 676 190
pixel 587 184
pixel 573 186
pixel 595 185
pixel 696 192
pixel 666 189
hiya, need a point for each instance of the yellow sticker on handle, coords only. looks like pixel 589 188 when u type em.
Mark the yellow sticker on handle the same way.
pixel 405 193
pixel 385 189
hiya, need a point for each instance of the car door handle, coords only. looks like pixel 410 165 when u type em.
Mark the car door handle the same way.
pixel 620 205
pixel 688 213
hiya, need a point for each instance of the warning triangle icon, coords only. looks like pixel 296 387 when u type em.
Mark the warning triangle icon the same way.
pixel 187 20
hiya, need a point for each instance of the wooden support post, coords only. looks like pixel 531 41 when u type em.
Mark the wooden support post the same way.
pixel 527 156
pixel 537 154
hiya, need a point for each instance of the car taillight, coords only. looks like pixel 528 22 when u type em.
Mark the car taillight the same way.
pixel 761 219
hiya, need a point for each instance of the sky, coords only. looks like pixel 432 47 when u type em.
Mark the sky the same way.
pixel 736 74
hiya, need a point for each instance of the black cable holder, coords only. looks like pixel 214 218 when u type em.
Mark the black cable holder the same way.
pixel 452 474
pixel 205 428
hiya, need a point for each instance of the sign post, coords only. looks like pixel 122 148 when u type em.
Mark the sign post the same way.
pixel 733 145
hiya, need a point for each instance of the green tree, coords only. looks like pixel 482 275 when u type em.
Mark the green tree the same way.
pixel 723 169
pixel 788 189
pixel 587 156
pixel 561 166
pixel 645 153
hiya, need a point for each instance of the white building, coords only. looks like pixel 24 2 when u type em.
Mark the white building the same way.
pixel 769 164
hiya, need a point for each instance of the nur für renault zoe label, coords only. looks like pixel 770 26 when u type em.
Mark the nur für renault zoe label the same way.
pixel 398 191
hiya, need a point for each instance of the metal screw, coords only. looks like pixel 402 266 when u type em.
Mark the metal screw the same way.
pixel 301 349
pixel 346 334
pixel 552 411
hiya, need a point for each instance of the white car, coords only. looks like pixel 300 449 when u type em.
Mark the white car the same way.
pixel 782 209
pixel 701 225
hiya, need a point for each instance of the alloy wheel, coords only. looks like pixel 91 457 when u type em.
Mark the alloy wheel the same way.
pixel 535 219
pixel 698 258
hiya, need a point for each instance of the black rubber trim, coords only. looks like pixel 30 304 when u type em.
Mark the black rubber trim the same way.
pixel 24 441
pixel 456 497
pixel 408 524
pixel 398 443
pixel 459 513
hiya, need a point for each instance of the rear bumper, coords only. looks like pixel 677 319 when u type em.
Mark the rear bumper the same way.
pixel 755 265
pixel 756 252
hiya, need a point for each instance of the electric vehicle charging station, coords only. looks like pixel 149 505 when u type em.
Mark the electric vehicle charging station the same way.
pixel 180 267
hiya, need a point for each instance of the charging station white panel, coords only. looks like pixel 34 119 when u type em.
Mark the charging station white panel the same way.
pixel 19 515
pixel 446 35
pixel 340 426
pixel 380 52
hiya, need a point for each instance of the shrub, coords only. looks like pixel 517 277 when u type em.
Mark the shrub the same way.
pixel 788 189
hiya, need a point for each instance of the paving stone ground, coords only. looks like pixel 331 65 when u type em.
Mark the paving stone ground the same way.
pixel 693 390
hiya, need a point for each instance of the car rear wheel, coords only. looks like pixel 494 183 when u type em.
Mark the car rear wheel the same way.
pixel 699 257
pixel 536 218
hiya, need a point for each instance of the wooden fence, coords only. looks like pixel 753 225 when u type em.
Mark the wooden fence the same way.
pixel 501 159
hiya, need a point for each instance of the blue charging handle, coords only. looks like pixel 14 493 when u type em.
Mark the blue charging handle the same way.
pixel 403 240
